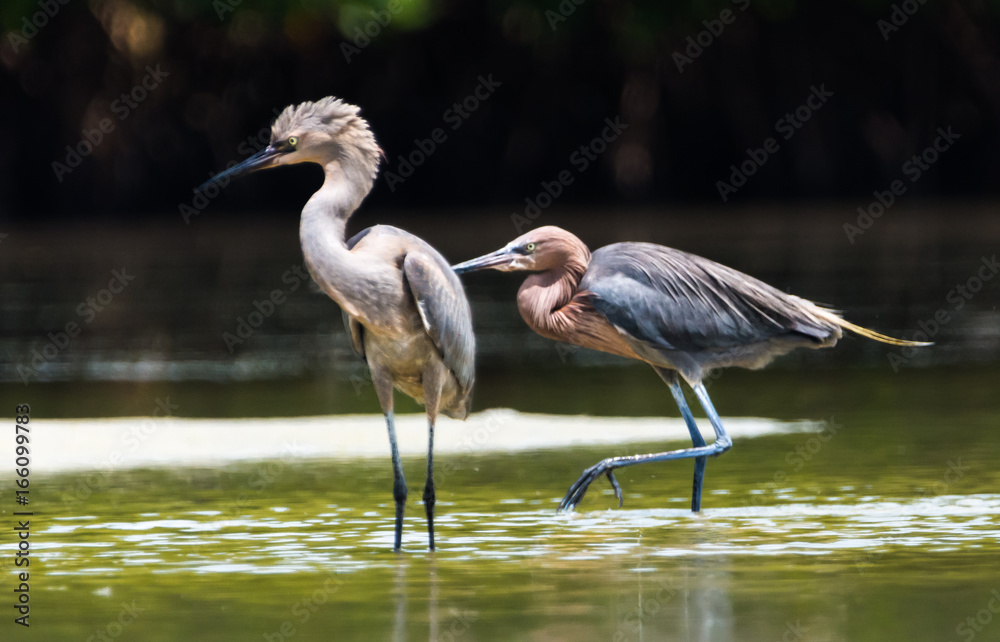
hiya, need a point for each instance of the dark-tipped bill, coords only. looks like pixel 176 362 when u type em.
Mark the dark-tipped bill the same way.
pixel 261 160
pixel 497 260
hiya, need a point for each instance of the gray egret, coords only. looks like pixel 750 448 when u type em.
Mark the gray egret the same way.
pixel 404 308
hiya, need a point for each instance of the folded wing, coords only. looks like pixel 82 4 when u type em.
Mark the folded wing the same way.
pixel 444 310
pixel 672 300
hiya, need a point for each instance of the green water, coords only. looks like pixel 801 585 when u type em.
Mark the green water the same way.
pixel 884 526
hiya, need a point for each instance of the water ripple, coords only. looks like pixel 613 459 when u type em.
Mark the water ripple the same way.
pixel 349 540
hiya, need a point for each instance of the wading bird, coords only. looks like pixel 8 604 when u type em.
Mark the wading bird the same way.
pixel 405 309
pixel 682 314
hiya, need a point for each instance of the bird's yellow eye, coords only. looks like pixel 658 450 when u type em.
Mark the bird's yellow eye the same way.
pixel 530 247
pixel 293 140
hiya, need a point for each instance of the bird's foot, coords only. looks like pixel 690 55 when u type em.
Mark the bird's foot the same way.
pixel 589 476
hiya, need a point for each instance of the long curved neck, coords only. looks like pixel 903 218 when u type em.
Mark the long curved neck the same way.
pixel 322 229
pixel 337 199
pixel 543 297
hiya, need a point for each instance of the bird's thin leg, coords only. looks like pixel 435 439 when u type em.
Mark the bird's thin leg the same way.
pixel 432 394
pixel 383 388
pixel 721 438
pixel 398 482
pixel 671 379
pixel 429 495
pixel 721 444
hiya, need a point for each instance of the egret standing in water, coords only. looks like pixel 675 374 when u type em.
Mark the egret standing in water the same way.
pixel 405 309
pixel 682 314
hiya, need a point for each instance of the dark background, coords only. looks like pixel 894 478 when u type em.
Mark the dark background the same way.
pixel 231 65
pixel 227 68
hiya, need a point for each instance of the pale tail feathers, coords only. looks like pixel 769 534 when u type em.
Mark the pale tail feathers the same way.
pixel 828 315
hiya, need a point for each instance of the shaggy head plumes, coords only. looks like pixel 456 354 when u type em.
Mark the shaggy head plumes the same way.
pixel 324 130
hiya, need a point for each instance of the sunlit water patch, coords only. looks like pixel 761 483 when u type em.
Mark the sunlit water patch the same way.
pixel 345 540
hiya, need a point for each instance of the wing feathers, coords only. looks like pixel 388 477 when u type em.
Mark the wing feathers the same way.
pixel 444 311
pixel 679 301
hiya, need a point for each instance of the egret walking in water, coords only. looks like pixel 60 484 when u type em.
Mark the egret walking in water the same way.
pixel 682 314
pixel 405 309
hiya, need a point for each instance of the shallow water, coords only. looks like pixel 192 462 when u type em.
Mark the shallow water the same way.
pixel 868 527
pixel 735 573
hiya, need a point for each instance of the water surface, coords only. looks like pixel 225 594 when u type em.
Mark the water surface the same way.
pixel 863 527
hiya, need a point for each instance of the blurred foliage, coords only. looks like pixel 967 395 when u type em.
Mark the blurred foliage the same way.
pixel 563 68
pixel 651 16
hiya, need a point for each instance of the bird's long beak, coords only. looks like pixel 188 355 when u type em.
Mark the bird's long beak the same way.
pixel 499 260
pixel 261 160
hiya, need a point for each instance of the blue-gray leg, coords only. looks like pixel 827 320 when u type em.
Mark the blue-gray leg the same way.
pixel 429 496
pixel 672 380
pixel 721 444
pixel 432 378
pixel 722 440
pixel 399 483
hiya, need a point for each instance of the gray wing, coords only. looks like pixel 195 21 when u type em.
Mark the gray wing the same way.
pixel 355 329
pixel 443 308
pixel 678 301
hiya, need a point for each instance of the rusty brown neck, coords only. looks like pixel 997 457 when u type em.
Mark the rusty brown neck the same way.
pixel 544 295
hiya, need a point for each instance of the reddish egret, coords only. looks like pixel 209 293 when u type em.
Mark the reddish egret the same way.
pixel 404 308
pixel 682 314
